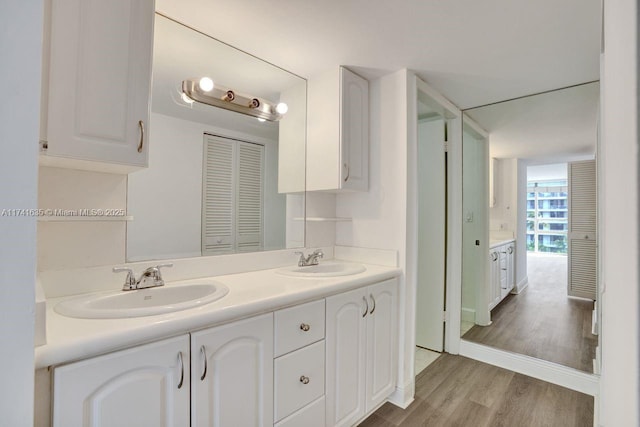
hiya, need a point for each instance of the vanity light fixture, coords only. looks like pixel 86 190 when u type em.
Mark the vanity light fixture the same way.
pixel 204 91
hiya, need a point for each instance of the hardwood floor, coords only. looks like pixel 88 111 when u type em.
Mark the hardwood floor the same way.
pixel 457 391
pixel 542 321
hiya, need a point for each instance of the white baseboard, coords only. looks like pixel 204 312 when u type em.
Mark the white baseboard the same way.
pixel 521 285
pixel 403 396
pixel 468 315
pixel 530 366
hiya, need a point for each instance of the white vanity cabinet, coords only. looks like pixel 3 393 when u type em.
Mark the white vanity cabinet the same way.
pixel 502 272
pixel 361 351
pixel 143 386
pixel 232 374
pixel 98 87
pixel 338 132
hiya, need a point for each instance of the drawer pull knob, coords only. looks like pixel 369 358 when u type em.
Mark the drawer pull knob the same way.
pixel 305 327
pixel 304 380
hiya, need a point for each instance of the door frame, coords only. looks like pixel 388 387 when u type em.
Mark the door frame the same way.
pixel 453 115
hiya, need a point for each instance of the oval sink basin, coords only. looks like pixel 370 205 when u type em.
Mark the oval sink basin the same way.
pixel 328 269
pixel 142 302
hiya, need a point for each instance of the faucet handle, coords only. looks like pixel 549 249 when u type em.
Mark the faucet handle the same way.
pixel 318 253
pixel 130 281
pixel 159 276
pixel 302 260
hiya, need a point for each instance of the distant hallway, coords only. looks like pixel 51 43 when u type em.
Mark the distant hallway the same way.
pixel 542 321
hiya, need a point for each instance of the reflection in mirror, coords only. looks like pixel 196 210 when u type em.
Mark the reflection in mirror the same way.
pixel 529 221
pixel 218 181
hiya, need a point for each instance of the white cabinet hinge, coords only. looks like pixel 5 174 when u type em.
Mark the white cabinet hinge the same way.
pixel 445 318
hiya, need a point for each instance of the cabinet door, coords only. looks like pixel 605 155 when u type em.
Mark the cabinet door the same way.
pixel 143 386
pixel 354 131
pixel 494 278
pixel 511 266
pixel 99 80
pixel 382 339
pixel 345 358
pixel 232 374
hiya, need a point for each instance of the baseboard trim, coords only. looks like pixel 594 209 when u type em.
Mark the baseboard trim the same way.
pixel 403 396
pixel 468 315
pixel 521 285
pixel 530 366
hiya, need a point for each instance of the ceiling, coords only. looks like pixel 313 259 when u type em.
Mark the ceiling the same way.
pixel 473 52
pixel 559 126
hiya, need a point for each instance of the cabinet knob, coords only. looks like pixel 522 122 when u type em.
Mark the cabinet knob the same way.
pixel 305 327
pixel 304 380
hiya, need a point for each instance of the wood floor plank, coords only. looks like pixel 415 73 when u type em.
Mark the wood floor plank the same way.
pixel 542 321
pixel 457 391
pixel 519 402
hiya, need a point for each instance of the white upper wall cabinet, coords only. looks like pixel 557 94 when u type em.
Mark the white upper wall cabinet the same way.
pixel 98 84
pixel 338 132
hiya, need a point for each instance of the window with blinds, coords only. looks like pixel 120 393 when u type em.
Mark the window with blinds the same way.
pixel 232 196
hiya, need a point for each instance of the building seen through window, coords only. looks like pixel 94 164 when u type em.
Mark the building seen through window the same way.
pixel 547 213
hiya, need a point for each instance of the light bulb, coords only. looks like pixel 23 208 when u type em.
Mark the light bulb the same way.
pixel 206 84
pixel 186 99
pixel 282 108
pixel 260 119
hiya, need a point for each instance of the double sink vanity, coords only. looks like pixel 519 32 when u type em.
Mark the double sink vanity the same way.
pixel 247 338
pixel 289 346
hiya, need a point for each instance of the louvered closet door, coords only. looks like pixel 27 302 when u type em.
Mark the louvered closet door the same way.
pixel 582 230
pixel 250 197
pixel 232 196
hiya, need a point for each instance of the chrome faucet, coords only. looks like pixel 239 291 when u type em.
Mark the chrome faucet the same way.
pixel 311 259
pixel 149 278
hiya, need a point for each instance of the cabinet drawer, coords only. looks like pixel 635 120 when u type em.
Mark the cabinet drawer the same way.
pixel 298 326
pixel 311 415
pixel 291 371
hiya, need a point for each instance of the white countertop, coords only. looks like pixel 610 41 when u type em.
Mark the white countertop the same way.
pixel 252 293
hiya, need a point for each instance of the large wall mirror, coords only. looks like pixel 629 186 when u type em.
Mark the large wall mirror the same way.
pixel 530 226
pixel 218 181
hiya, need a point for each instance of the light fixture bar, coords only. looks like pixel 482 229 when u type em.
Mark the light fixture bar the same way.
pixel 230 100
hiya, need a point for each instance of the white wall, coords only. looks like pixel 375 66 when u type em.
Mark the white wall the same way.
pixel 619 384
pixel 521 225
pixel 63 245
pixel 165 199
pixel 21 51
pixel 547 172
pixel 475 200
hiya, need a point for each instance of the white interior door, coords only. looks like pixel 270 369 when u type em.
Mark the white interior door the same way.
pixel 431 235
